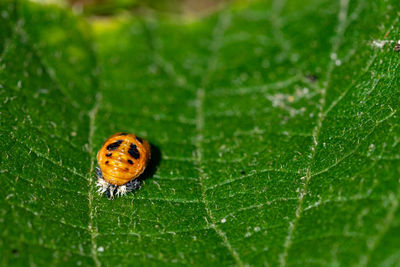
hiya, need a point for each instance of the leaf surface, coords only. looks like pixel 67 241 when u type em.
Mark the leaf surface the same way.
pixel 275 129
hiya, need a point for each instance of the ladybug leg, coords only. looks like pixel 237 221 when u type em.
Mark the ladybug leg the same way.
pixel 102 186
pixel 121 190
pixel 126 188
pixel 111 191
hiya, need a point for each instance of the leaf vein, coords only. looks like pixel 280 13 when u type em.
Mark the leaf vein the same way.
pixel 223 23
pixel 342 20
pixel 93 230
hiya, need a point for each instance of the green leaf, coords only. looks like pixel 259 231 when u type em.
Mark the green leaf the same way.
pixel 276 127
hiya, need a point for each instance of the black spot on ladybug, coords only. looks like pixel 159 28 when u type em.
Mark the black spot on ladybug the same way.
pixel 123 134
pixel 139 139
pixel 133 151
pixel 108 154
pixel 114 145
pixel 130 161
pixel 107 162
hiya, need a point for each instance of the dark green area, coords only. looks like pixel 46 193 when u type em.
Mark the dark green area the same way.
pixel 277 126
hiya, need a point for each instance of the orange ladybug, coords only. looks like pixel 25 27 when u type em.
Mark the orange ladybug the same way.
pixel 122 158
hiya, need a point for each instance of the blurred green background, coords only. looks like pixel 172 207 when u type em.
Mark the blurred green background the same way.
pixel 110 7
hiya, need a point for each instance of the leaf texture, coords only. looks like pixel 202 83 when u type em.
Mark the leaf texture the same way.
pixel 275 129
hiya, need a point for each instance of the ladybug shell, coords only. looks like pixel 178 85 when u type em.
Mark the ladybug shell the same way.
pixel 123 157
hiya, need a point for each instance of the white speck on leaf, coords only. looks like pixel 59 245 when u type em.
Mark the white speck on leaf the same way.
pixel 371 147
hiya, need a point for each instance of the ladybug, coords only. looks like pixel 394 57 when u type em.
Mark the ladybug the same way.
pixel 121 160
